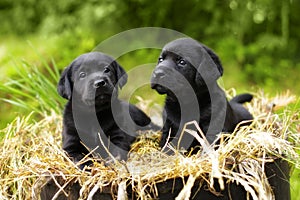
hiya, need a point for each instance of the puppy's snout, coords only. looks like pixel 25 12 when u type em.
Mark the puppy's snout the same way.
pixel 100 83
pixel 158 74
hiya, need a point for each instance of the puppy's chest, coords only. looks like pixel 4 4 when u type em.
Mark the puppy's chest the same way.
pixel 186 113
pixel 93 124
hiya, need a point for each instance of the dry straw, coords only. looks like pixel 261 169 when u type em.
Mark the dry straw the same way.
pixel 31 154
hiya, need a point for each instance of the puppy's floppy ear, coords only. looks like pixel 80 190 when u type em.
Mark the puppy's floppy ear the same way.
pixel 121 74
pixel 65 84
pixel 215 58
pixel 210 67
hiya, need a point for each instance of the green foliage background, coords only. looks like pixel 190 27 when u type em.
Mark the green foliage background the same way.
pixel 257 41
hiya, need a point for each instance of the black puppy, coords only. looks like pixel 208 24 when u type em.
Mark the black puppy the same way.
pixel 90 83
pixel 187 73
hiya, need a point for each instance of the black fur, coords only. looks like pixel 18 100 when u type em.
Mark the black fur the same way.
pixel 187 72
pixel 90 83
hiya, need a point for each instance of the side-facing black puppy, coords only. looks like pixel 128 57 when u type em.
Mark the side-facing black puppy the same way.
pixel 187 72
pixel 90 83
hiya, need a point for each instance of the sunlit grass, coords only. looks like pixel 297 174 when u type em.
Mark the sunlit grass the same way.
pixel 295 184
pixel 31 89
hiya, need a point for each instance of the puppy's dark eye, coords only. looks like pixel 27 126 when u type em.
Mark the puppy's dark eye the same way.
pixel 82 74
pixel 106 70
pixel 181 62
pixel 160 59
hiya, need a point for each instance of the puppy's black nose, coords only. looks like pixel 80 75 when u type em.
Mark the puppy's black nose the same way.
pixel 158 74
pixel 99 83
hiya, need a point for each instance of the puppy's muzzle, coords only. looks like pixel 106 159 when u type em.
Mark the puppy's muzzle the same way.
pixel 100 83
pixel 158 81
pixel 158 74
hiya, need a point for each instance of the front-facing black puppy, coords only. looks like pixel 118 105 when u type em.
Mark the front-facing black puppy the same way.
pixel 187 72
pixel 90 83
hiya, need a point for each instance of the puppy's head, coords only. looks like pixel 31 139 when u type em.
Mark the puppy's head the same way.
pixel 92 77
pixel 185 61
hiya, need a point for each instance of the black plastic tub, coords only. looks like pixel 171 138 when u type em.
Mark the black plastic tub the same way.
pixel 277 173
